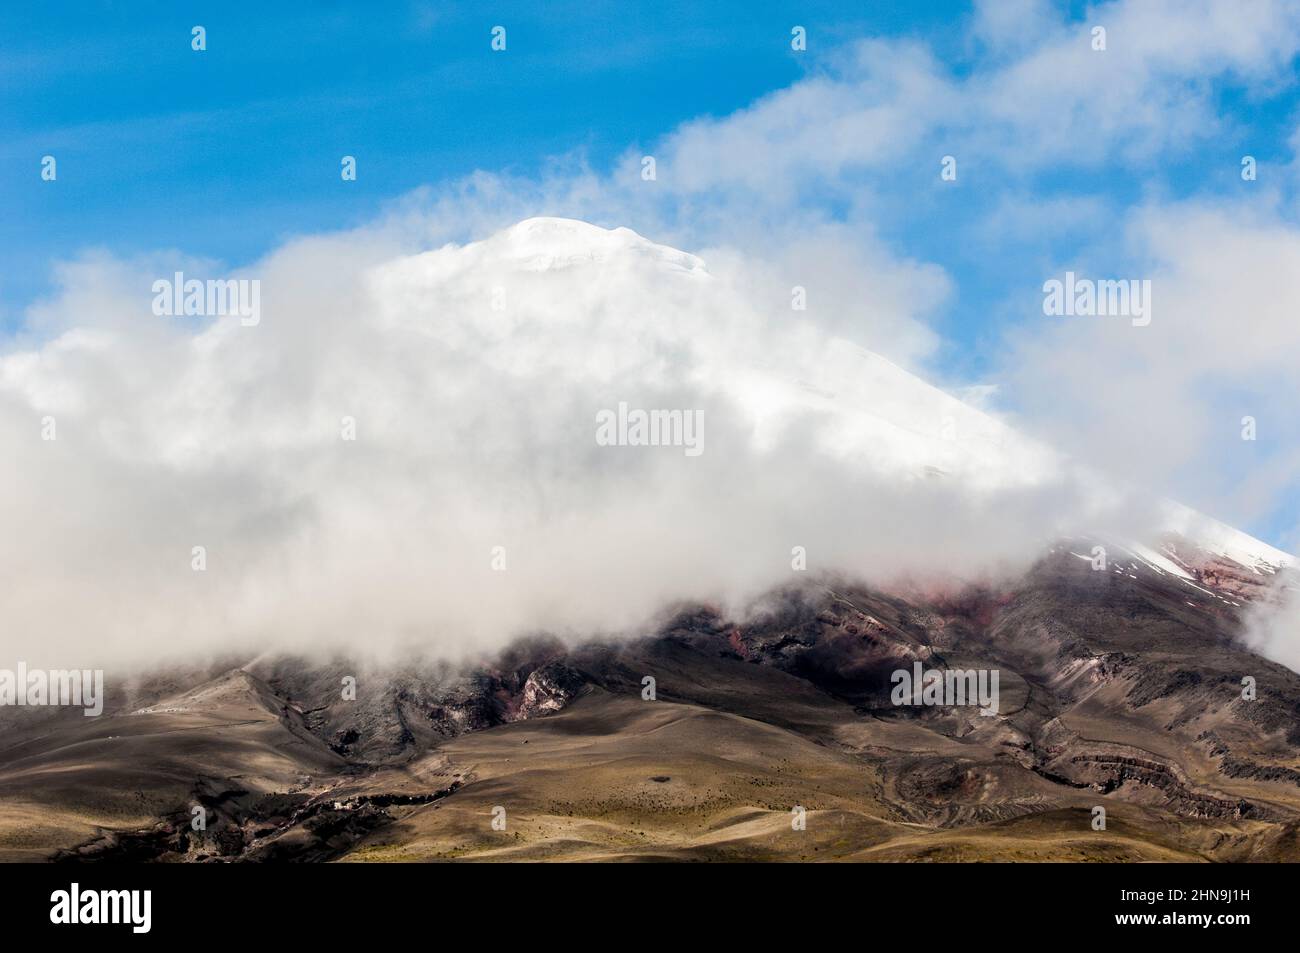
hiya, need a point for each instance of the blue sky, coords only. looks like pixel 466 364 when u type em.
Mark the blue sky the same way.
pixel 227 153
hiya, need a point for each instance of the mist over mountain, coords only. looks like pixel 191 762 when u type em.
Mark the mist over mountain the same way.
pixel 1130 723
pixel 403 456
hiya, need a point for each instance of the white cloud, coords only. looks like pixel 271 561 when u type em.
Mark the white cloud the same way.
pixel 475 428
pixel 1165 403
pixel 1273 625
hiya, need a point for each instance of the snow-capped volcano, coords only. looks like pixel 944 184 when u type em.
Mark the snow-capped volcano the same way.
pixel 773 361
pixel 860 408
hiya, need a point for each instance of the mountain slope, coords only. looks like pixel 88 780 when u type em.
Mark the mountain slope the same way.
pixel 1117 691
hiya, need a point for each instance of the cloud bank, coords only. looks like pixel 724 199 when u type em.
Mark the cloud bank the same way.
pixel 404 453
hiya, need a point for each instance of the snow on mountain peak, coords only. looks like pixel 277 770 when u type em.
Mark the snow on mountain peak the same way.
pixel 548 243
pixel 603 291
